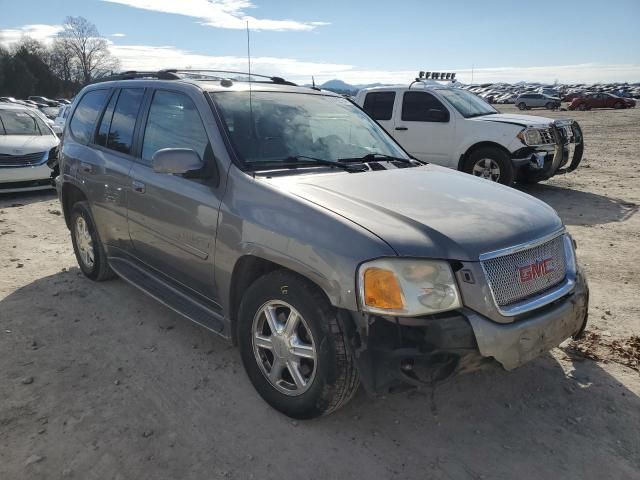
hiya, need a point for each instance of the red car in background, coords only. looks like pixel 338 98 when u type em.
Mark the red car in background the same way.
pixel 601 100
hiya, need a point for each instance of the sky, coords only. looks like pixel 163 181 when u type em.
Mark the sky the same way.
pixel 357 41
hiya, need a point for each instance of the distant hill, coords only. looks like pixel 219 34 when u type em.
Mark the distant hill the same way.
pixel 344 88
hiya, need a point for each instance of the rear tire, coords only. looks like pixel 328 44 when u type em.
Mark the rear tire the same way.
pixel 327 379
pixel 582 107
pixel 550 105
pixel 87 246
pixel 522 106
pixel 483 161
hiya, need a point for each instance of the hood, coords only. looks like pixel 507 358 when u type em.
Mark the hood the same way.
pixel 514 118
pixel 429 211
pixel 25 144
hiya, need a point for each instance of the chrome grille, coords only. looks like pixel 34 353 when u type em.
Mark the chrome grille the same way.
pixel 22 160
pixel 521 275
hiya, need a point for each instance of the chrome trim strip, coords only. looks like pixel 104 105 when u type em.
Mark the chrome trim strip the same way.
pixel 523 246
pixel 547 297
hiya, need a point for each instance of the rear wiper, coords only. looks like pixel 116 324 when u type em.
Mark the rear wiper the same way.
pixel 370 157
pixel 296 161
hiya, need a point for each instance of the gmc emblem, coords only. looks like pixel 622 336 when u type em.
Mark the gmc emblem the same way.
pixel 538 269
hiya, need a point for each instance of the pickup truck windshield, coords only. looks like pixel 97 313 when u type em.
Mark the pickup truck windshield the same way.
pixel 279 126
pixel 468 104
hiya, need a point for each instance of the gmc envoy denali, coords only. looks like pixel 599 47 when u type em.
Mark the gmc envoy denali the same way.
pixel 288 221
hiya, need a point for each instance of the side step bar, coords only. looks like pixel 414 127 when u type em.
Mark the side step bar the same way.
pixel 169 296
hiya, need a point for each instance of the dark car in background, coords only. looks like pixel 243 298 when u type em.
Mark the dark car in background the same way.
pixel 601 100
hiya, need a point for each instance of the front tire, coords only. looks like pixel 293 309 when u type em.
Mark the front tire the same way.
pixel 550 106
pixel 492 164
pixel 294 347
pixel 522 106
pixel 87 245
pixel 618 105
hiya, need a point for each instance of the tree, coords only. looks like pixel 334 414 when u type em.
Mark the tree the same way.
pixel 91 51
pixel 64 65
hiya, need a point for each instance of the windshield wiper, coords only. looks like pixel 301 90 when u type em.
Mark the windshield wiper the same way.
pixel 370 157
pixel 296 161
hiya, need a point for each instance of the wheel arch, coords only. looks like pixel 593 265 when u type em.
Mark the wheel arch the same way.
pixel 249 268
pixel 69 196
pixel 476 146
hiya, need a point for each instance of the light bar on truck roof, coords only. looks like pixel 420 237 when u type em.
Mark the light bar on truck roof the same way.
pixel 442 76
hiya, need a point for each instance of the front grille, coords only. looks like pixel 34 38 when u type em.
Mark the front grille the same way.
pixel 27 160
pixel 547 136
pixel 527 273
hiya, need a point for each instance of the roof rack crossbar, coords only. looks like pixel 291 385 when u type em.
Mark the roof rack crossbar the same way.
pixel 274 79
pixel 134 74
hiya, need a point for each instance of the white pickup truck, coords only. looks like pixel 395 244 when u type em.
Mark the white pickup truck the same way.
pixel 454 128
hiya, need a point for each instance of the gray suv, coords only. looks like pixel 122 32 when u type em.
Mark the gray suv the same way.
pixel 286 220
pixel 526 101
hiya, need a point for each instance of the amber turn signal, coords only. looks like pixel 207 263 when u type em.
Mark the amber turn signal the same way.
pixel 382 290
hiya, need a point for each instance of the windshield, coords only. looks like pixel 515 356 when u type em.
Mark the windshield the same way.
pixel 278 126
pixel 468 104
pixel 20 123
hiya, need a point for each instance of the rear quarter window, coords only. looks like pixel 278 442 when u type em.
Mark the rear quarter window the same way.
pixel 379 105
pixel 84 117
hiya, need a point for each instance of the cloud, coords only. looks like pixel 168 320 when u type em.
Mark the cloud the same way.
pixel 146 57
pixel 118 35
pixel 40 32
pixel 219 13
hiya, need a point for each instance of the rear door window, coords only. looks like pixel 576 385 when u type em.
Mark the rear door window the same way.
pixel 123 122
pixel 83 122
pixel 379 105
pixel 423 107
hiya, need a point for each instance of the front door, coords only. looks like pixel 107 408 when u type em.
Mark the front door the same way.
pixel 173 218
pixel 425 128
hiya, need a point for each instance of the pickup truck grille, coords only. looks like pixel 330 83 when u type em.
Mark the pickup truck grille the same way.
pixel 27 160
pixel 546 136
pixel 527 273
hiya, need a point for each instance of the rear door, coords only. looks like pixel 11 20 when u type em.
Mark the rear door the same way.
pixel 379 105
pixel 425 127
pixel 102 166
pixel 173 218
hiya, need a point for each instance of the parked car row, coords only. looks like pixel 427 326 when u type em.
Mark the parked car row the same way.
pixel 509 93
pixel 50 109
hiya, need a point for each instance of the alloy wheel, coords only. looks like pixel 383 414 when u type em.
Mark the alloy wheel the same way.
pixel 284 348
pixel 487 168
pixel 84 242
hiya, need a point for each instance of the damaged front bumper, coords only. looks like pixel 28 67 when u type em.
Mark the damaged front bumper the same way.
pixel 562 156
pixel 392 352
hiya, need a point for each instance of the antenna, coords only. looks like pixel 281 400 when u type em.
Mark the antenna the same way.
pixel 313 82
pixel 250 82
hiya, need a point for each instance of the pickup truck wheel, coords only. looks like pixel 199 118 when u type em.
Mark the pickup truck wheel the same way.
pixel 294 347
pixel 492 164
pixel 522 106
pixel 87 246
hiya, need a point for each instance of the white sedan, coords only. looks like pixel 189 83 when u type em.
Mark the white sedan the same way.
pixel 26 144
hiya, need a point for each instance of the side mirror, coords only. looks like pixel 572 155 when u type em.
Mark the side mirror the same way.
pixel 176 160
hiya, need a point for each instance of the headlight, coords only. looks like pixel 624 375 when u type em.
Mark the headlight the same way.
pixel 407 287
pixel 536 136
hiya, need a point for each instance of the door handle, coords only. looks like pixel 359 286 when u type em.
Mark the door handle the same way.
pixel 138 186
pixel 402 128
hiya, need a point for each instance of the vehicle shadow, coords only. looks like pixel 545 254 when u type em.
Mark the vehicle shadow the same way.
pixel 576 207
pixel 19 199
pixel 111 368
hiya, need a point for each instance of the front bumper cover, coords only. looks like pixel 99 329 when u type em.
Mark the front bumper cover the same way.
pixel 391 352
pixel 563 156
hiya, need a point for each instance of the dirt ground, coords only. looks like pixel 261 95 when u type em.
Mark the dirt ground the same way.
pixel 97 381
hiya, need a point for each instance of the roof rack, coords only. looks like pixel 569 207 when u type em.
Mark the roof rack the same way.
pixel 211 73
pixel 178 74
